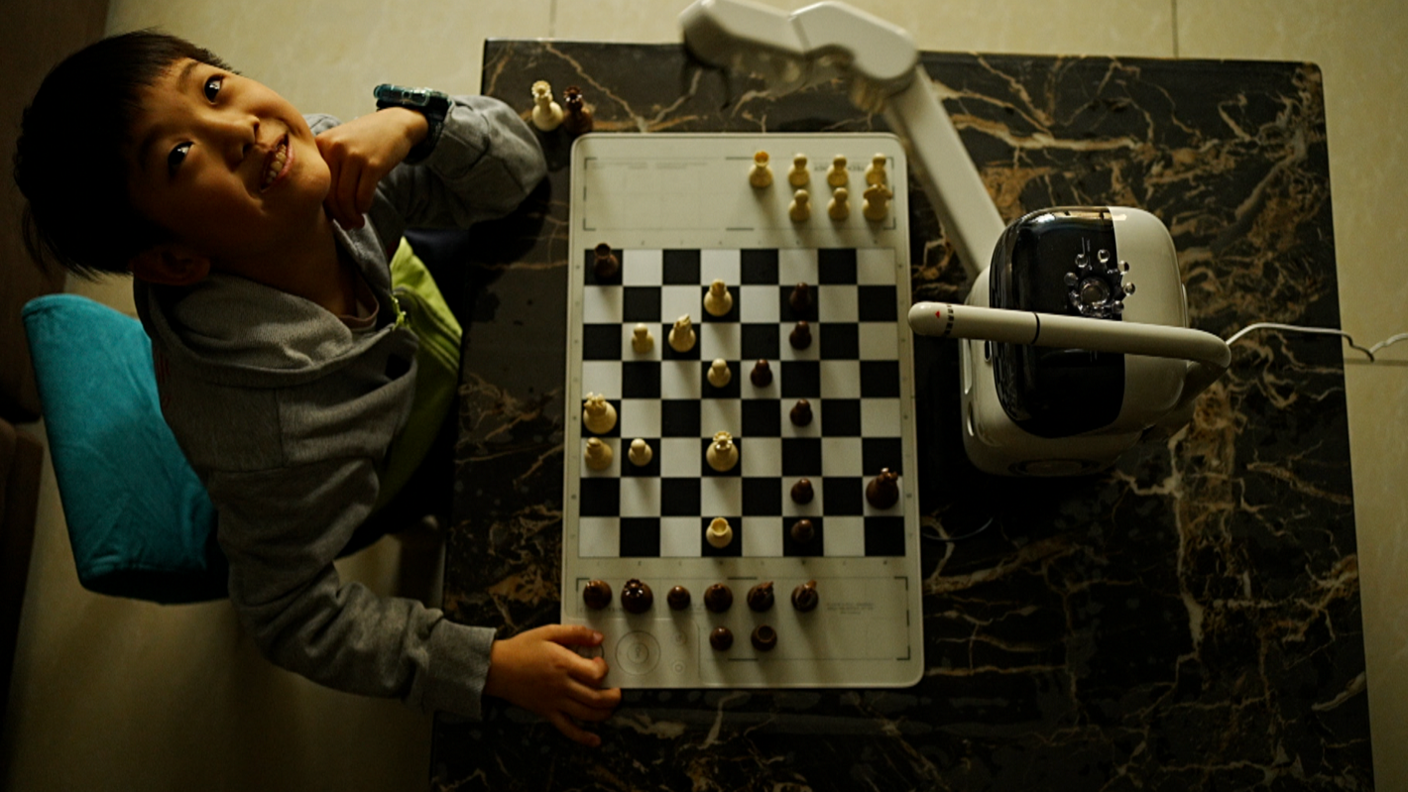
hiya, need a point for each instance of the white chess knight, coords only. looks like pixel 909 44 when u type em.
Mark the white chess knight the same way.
pixel 722 454
pixel 876 204
pixel 547 114
pixel 720 533
pixel 718 301
pixel 597 414
pixel 682 334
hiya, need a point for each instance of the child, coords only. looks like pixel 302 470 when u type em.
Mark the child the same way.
pixel 291 376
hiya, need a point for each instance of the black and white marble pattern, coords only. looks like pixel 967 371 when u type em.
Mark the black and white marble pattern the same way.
pixel 1188 620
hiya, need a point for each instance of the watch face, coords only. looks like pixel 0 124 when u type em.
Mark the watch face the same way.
pixel 1059 261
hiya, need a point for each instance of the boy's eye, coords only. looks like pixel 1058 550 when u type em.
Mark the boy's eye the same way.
pixel 212 87
pixel 176 157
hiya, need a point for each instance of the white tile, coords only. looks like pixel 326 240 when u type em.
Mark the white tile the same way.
pixel 680 537
pixel 717 264
pixel 843 536
pixel 599 537
pixel 602 376
pixel 840 379
pixel 680 457
pixel 721 496
pixel 840 456
pixel 642 267
pixel 762 537
pixel 837 304
pixel 601 304
pixel 640 496
pixel 640 418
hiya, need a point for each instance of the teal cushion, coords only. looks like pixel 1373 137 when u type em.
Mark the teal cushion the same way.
pixel 139 519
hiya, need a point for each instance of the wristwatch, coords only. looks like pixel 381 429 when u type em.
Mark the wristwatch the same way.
pixel 431 104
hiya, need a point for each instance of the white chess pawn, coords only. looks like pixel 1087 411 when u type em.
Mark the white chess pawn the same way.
pixel 875 174
pixel 720 533
pixel 719 373
pixel 547 114
pixel 641 340
pixel 682 335
pixel 798 176
pixel 598 415
pixel 718 301
pixel 640 453
pixel 760 175
pixel 839 207
pixel 836 175
pixel 598 454
pixel 876 205
pixel 722 454
pixel 801 207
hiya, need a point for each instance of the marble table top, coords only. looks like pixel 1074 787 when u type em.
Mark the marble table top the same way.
pixel 1189 619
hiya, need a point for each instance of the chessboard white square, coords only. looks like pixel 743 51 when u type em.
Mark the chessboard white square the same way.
pixel 677 301
pixel 628 351
pixel 602 376
pixel 876 267
pixel 680 537
pixel 843 536
pixel 880 418
pixel 759 304
pixel 764 457
pixel 679 457
pixel 791 508
pixel 716 264
pixel 721 415
pixel 599 537
pixel 762 537
pixel 640 496
pixel 837 303
pixel 602 304
pixel 840 379
pixel 797 265
pixel 642 267
pixel 680 379
pixel 721 496
pixel 878 341
pixel 640 418
pixel 840 456
pixel 719 340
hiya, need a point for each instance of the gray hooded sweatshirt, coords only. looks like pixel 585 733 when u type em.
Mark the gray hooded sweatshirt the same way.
pixel 285 414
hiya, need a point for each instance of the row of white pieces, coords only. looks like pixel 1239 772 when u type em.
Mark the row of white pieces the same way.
pixel 645 267
pixel 714 340
pixel 684 379
pixel 758 457
pixel 760 537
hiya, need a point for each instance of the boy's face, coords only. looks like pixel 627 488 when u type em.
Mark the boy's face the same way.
pixel 225 164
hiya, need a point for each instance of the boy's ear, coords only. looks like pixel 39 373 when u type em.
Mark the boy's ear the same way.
pixel 169 265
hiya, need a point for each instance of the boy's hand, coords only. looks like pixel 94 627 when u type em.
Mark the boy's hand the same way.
pixel 537 671
pixel 360 152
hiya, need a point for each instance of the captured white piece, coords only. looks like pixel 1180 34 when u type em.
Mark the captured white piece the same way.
pixel 798 176
pixel 801 207
pixel 547 114
pixel 760 175
pixel 839 207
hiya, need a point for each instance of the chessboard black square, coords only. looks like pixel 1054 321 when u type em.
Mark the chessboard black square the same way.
pixel 601 342
pixel 842 495
pixel 876 303
pixel 668 352
pixel 758 266
pixel 877 453
pixel 762 418
pixel 590 269
pixel 640 537
pixel 836 266
pixel 787 313
pixel 614 431
pixel 733 549
pixel 762 497
pixel 793 548
pixel 884 536
pixel 760 341
pixel 650 469
pixel 680 267
pixel 731 316
pixel 801 456
pixel 679 418
pixel 801 379
pixel 731 390
pixel 640 379
pixel 840 417
pixel 704 468
pixel 600 496
pixel 679 497
pixel 641 304
pixel 880 379
pixel 839 341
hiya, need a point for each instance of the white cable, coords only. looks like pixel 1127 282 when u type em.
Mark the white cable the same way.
pixel 1391 340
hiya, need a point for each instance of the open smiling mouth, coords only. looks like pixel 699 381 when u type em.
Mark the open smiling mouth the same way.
pixel 277 163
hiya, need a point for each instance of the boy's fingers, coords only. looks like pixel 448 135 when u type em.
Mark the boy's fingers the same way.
pixel 573 731
pixel 596 698
pixel 571 634
pixel 582 712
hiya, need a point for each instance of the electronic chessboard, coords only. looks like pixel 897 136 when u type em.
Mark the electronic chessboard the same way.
pixel 686 551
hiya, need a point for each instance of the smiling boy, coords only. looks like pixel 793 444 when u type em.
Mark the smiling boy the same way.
pixel 293 332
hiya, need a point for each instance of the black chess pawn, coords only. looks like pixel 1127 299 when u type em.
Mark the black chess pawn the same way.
pixel 801 299
pixel 764 638
pixel 606 266
pixel 803 491
pixel 597 594
pixel 802 532
pixel 718 598
pixel 721 639
pixel 636 596
pixel 801 414
pixel 804 597
pixel 883 491
pixel 678 598
pixel 801 336
pixel 760 597
pixel 578 119
pixel 761 375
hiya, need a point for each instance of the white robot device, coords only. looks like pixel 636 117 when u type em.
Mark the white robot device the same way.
pixel 1074 340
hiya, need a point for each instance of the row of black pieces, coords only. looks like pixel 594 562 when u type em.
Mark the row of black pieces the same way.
pixel 874 303
pixel 756 266
pixel 762 496
pixel 637 597
pixel 801 456
pixel 884 536
pixel 760 418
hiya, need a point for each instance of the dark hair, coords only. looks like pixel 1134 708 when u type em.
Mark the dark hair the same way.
pixel 69 158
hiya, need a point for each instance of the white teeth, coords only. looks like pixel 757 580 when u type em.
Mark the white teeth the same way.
pixel 276 165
